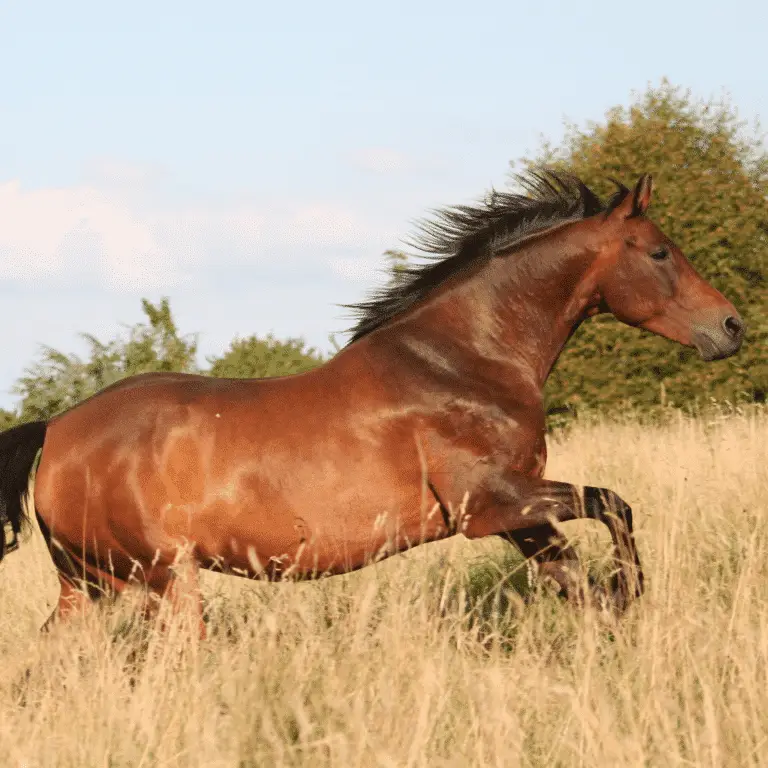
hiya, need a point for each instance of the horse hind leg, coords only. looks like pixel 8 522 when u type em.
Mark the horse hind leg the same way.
pixel 74 600
pixel 180 592
pixel 79 587
pixel 175 586
pixel 82 583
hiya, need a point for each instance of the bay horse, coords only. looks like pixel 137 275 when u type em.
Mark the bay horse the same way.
pixel 428 423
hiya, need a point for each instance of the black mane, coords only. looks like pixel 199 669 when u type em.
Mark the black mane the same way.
pixel 459 237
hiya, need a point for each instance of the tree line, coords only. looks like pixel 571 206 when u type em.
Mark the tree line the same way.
pixel 57 381
pixel 711 197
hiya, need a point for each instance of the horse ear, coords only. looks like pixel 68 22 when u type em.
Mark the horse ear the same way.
pixel 626 204
pixel 641 197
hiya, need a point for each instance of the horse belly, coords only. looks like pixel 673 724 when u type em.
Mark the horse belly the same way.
pixel 311 519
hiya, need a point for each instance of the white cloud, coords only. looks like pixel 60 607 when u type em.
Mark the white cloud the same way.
pixel 89 231
pixel 380 160
pixel 72 231
pixel 323 224
pixel 366 269
pixel 109 171
pixel 300 232
pixel 256 227
pixel 387 161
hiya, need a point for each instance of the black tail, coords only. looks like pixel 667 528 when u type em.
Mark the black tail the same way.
pixel 18 450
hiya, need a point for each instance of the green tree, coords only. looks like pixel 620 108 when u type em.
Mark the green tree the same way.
pixel 8 419
pixel 710 197
pixel 398 261
pixel 255 357
pixel 58 381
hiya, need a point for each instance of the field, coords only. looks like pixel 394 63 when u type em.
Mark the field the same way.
pixel 432 658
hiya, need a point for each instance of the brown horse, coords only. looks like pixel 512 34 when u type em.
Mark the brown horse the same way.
pixel 427 424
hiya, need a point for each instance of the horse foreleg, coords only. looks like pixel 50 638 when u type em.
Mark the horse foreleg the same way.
pixel 551 557
pixel 512 505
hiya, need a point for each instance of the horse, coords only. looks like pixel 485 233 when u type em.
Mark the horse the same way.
pixel 428 423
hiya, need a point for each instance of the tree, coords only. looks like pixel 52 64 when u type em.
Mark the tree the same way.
pixel 254 357
pixel 59 381
pixel 710 197
pixel 8 419
pixel 398 261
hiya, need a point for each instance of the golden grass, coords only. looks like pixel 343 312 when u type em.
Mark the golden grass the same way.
pixel 392 666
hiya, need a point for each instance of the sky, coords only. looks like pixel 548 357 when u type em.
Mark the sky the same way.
pixel 252 160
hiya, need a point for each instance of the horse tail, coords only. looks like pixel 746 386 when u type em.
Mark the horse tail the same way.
pixel 19 449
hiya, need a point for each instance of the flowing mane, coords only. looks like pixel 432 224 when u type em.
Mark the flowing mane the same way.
pixel 459 237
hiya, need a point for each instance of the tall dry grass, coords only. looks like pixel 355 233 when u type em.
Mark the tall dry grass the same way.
pixel 431 659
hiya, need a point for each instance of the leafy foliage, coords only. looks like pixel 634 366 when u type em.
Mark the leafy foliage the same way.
pixel 710 197
pixel 8 419
pixel 58 381
pixel 398 260
pixel 261 358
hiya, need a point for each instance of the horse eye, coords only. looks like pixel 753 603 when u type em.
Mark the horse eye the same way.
pixel 661 254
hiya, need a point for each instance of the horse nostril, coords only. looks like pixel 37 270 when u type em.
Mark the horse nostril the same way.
pixel 734 326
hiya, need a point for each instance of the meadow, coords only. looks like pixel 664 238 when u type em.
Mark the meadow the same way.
pixel 443 656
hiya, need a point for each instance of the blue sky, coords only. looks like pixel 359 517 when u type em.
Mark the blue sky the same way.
pixel 253 160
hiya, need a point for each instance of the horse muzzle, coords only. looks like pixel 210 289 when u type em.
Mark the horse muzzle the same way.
pixel 719 341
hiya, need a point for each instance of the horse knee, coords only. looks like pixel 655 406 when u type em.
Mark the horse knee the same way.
pixel 600 502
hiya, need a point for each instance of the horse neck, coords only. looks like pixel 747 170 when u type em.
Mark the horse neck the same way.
pixel 510 320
